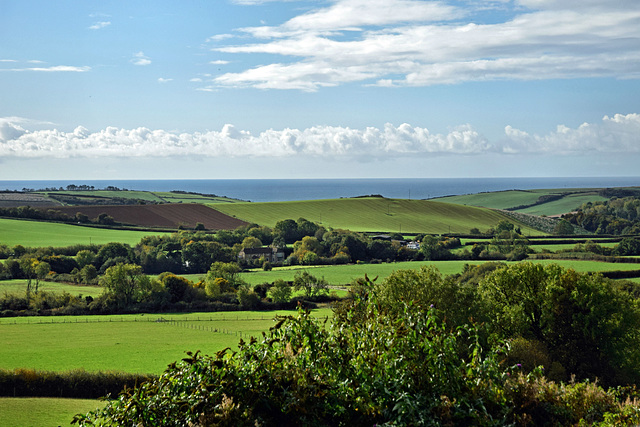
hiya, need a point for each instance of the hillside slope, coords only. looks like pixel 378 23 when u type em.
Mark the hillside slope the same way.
pixel 169 215
pixel 375 214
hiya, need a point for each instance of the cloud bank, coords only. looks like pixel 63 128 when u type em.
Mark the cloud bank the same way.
pixel 617 134
pixel 419 43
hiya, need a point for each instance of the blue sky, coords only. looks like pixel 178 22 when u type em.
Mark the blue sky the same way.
pixel 309 89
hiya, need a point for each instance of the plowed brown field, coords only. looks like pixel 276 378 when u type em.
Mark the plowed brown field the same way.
pixel 166 215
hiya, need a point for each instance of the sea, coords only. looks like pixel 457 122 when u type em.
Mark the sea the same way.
pixel 277 190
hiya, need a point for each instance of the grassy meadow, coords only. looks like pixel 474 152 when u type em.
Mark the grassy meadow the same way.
pixel 128 343
pixel 373 214
pixel 18 286
pixel 35 234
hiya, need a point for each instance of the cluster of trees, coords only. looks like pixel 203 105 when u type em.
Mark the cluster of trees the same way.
pixel 614 216
pixel 406 351
pixel 628 246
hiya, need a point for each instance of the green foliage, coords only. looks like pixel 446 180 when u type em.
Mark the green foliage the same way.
pixel 563 227
pixel 311 285
pixel 589 326
pixel 280 291
pixel 122 283
pixel 368 367
pixel 405 369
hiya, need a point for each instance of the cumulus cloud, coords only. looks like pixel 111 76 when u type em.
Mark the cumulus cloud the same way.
pixel 99 25
pixel 140 59
pixel 324 141
pixel 418 43
pixel 616 134
pixel 163 80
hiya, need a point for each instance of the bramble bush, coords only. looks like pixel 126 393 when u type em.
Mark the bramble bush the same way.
pixel 369 366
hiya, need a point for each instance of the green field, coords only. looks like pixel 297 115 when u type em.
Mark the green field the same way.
pixel 129 343
pixel 339 275
pixel 514 198
pixel 18 286
pixel 42 411
pixel 36 234
pixel 373 214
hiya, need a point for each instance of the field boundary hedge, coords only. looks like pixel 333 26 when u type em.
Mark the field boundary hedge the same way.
pixel 70 384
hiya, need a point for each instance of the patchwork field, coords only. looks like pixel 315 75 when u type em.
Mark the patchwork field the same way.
pixel 169 215
pixel 553 202
pixel 11 199
pixel 97 196
pixel 373 214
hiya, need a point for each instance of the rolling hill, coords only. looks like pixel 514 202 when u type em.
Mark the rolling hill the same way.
pixel 373 214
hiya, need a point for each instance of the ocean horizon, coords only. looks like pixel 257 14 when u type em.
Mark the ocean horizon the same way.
pixel 277 190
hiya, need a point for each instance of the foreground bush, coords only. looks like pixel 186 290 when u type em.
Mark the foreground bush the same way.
pixel 368 367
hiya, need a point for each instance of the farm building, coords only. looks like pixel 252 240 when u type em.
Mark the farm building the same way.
pixel 269 253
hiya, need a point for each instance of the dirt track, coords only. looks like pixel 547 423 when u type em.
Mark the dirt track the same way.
pixel 166 215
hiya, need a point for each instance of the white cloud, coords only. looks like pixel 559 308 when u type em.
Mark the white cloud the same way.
pixel 53 69
pixel 219 62
pixel 616 134
pixel 99 25
pixel 418 43
pixel 140 59
pixel 163 80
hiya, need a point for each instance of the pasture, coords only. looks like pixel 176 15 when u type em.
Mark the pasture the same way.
pixel 42 411
pixel 374 214
pixel 35 234
pixel 128 343
pixel 340 275
pixel 18 286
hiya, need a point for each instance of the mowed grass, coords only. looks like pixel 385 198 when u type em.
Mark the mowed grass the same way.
pixel 35 234
pixel 42 411
pixel 373 214
pixel 19 286
pixel 129 343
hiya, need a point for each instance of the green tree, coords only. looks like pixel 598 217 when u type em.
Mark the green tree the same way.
pixel 251 242
pixel 627 246
pixel 122 282
pixel 176 286
pixel 88 273
pixel 287 229
pixel 563 227
pixel 311 286
pixel 85 257
pixel 280 291
pixel 591 328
